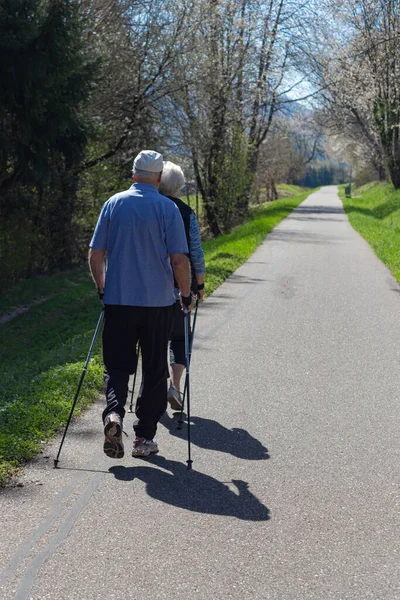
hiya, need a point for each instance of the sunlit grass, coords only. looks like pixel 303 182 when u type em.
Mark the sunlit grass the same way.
pixel 42 353
pixel 286 189
pixel 374 211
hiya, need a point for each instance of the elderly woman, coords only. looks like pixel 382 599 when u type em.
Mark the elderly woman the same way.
pixel 172 182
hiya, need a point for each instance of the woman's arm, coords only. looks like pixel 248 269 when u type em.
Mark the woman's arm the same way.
pixel 196 253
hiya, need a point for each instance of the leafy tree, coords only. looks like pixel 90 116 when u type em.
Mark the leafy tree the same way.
pixel 46 76
pixel 235 85
pixel 360 70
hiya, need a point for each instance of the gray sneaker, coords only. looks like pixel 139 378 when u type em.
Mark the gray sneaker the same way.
pixel 143 447
pixel 113 446
pixel 174 397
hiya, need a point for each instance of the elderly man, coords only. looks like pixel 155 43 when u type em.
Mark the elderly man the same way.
pixel 142 235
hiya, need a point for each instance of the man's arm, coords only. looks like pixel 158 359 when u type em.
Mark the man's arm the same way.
pixel 97 267
pixel 181 267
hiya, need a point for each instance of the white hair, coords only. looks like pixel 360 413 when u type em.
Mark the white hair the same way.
pixel 145 174
pixel 172 180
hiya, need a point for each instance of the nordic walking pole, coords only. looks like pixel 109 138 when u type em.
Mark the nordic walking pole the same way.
pixel 180 422
pixel 134 378
pixel 187 380
pixel 99 322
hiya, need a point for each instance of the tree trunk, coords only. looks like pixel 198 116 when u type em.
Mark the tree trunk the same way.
pixel 394 170
pixel 211 217
pixel 274 191
pixel 394 160
pixel 60 222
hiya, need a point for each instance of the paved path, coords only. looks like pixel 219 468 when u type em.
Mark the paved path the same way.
pixel 294 493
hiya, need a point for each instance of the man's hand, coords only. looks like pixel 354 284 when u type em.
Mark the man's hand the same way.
pixel 187 301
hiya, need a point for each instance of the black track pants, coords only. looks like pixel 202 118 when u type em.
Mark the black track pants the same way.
pixel 124 326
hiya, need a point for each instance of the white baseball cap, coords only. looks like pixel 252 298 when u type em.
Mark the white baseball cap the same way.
pixel 148 160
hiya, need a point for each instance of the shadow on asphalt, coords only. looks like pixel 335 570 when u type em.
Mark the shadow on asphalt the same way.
pixel 192 490
pixel 234 278
pixel 312 218
pixel 211 435
pixel 210 304
pixel 318 210
pixel 303 237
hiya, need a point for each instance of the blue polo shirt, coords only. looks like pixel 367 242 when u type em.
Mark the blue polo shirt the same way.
pixel 139 229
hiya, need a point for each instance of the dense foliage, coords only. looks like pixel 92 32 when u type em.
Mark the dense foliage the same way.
pixel 323 173
pixel 45 79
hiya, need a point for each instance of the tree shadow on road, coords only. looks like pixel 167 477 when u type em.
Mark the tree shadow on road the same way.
pixel 235 278
pixel 303 237
pixel 318 210
pixel 211 435
pixel 192 490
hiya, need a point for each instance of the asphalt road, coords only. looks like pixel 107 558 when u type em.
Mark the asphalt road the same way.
pixel 294 492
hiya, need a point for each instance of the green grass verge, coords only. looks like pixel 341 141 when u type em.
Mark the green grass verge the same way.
pixel 374 211
pixel 287 190
pixel 42 351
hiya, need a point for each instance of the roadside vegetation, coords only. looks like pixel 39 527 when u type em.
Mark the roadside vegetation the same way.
pixel 374 211
pixel 42 351
pixel 289 190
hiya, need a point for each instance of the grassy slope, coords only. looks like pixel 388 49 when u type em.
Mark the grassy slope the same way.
pixel 374 211
pixel 286 190
pixel 41 356
pixel 42 352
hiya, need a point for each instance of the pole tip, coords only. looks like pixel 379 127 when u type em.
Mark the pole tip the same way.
pixel 56 463
pixel 189 464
